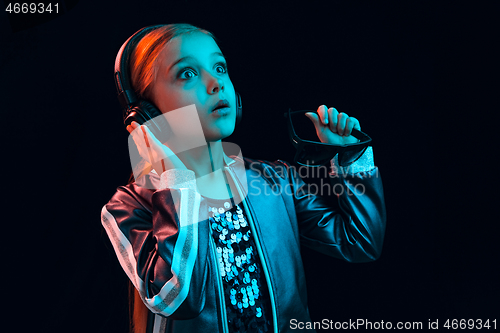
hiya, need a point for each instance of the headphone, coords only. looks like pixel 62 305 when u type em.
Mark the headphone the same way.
pixel 141 110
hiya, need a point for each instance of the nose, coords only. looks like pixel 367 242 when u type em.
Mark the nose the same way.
pixel 215 84
pixel 219 86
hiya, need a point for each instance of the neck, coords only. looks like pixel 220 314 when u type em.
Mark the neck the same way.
pixel 205 159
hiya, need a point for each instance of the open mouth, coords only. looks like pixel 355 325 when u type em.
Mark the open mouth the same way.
pixel 222 104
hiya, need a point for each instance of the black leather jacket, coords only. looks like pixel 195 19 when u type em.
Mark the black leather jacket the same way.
pixel 162 239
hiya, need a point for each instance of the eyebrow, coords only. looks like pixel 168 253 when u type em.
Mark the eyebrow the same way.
pixel 189 57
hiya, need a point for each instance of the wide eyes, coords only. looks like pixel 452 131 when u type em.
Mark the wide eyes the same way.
pixel 222 66
pixel 186 74
pixel 189 73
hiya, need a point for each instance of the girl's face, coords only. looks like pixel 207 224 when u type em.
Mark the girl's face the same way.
pixel 192 70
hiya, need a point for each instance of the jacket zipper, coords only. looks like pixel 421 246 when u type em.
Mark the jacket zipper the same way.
pixel 259 249
pixel 225 329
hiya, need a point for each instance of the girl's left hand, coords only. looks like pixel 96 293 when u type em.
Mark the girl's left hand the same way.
pixel 334 127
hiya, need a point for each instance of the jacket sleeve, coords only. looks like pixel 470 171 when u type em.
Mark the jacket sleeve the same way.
pixel 353 231
pixel 160 242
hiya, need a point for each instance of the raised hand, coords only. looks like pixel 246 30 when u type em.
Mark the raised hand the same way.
pixel 159 155
pixel 334 127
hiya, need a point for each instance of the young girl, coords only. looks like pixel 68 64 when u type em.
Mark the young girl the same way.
pixel 206 240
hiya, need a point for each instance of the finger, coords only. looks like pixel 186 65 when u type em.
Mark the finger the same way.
pixel 141 136
pixel 357 125
pixel 146 133
pixel 132 126
pixel 342 118
pixel 152 140
pixel 145 136
pixel 161 150
pixel 323 114
pixel 314 118
pixel 138 138
pixel 350 124
pixel 333 115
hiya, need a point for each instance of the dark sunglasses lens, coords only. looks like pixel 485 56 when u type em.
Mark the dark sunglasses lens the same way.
pixel 312 154
pixel 304 128
pixel 350 156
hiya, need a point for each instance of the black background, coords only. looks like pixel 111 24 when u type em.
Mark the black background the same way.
pixel 409 71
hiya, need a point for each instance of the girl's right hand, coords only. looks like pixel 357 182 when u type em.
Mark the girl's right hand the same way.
pixel 160 156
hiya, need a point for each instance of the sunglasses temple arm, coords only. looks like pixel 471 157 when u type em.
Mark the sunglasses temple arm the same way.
pixel 355 132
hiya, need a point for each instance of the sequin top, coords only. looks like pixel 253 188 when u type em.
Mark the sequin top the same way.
pixel 245 290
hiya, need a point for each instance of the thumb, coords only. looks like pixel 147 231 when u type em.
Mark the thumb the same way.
pixel 315 119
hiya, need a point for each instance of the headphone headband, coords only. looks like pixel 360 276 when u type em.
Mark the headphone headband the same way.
pixel 126 94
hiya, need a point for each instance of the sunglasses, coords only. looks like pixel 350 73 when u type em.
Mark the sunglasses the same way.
pixel 315 154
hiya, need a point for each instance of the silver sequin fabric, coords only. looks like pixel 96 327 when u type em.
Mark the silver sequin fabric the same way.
pixel 245 291
pixel 176 178
pixel 364 163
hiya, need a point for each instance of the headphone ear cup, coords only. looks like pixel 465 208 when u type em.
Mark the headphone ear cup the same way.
pixel 147 112
pixel 158 124
pixel 239 110
pixel 135 114
pixel 149 109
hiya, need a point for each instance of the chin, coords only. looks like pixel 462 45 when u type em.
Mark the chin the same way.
pixel 228 133
pixel 220 133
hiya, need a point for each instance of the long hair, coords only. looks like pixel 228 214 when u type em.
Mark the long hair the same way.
pixel 143 70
